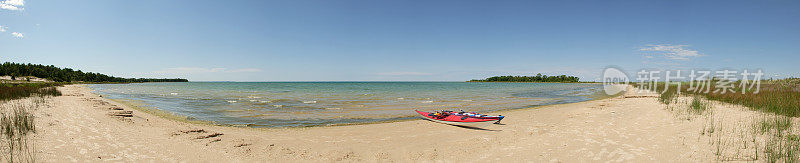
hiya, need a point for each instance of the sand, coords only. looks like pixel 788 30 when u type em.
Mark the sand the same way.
pixel 79 127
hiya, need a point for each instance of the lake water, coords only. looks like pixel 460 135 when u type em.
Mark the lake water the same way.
pixel 293 104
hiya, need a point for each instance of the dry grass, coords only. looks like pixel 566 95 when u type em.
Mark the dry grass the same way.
pixel 699 105
pixel 768 135
pixel 774 97
pixel 17 124
pixel 11 91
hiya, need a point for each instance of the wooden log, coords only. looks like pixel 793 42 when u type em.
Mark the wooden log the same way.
pixel 209 136
pixel 122 115
pixel 127 113
pixel 122 112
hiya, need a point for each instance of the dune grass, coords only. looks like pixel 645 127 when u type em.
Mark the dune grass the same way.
pixel 15 127
pixel 779 100
pixel 17 123
pixel 771 136
pixel 774 137
pixel 11 91
pixel 778 96
pixel 668 96
pixel 773 97
pixel 698 105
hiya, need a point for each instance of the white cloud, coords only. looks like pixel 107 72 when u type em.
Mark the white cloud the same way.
pixel 246 70
pixel 3 28
pixel 17 35
pixel 677 52
pixel 15 2
pixel 12 4
pixel 404 73
pixel 9 7
pixel 190 70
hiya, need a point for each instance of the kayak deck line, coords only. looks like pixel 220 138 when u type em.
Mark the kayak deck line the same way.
pixel 458 120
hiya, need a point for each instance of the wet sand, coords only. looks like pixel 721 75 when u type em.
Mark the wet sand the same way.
pixel 80 126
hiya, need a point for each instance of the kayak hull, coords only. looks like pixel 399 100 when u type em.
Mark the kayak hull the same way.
pixel 481 116
pixel 458 120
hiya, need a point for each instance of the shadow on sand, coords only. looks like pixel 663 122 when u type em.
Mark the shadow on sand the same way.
pixel 474 128
pixel 469 127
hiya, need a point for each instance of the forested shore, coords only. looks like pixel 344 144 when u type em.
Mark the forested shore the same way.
pixel 537 78
pixel 57 74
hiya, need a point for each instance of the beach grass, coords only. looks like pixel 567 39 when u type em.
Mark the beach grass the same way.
pixel 698 105
pixel 775 96
pixel 667 97
pixel 11 91
pixel 17 123
pixel 771 136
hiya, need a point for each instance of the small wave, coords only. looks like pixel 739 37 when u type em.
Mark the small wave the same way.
pixel 466 100
pixel 309 102
pixel 267 101
pixel 334 108
pixel 232 101
pixel 426 102
pixel 286 101
pixel 401 98
pixel 237 110
pixel 253 97
pixel 277 106
pixel 253 100
pixel 256 115
pixel 173 93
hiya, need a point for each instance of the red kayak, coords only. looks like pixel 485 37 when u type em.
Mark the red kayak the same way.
pixel 478 115
pixel 453 119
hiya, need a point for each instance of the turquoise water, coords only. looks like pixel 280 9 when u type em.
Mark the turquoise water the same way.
pixel 293 104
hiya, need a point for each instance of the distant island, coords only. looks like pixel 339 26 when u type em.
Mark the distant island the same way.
pixel 537 78
pixel 20 71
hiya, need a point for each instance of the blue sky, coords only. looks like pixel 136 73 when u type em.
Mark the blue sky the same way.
pixel 397 40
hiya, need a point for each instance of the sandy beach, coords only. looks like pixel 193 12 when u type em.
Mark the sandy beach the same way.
pixel 81 126
pixel 399 81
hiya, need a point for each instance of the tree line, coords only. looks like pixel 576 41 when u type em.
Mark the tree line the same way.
pixel 537 78
pixel 67 74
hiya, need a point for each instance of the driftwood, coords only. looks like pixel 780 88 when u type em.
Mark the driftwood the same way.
pixel 209 136
pixel 213 141
pixel 196 130
pixel 188 131
pixel 122 113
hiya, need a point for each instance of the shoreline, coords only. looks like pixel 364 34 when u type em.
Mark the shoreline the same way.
pixel 171 116
pixel 78 126
pixel 137 105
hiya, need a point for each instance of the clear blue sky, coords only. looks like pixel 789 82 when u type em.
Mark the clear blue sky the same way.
pixel 422 40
